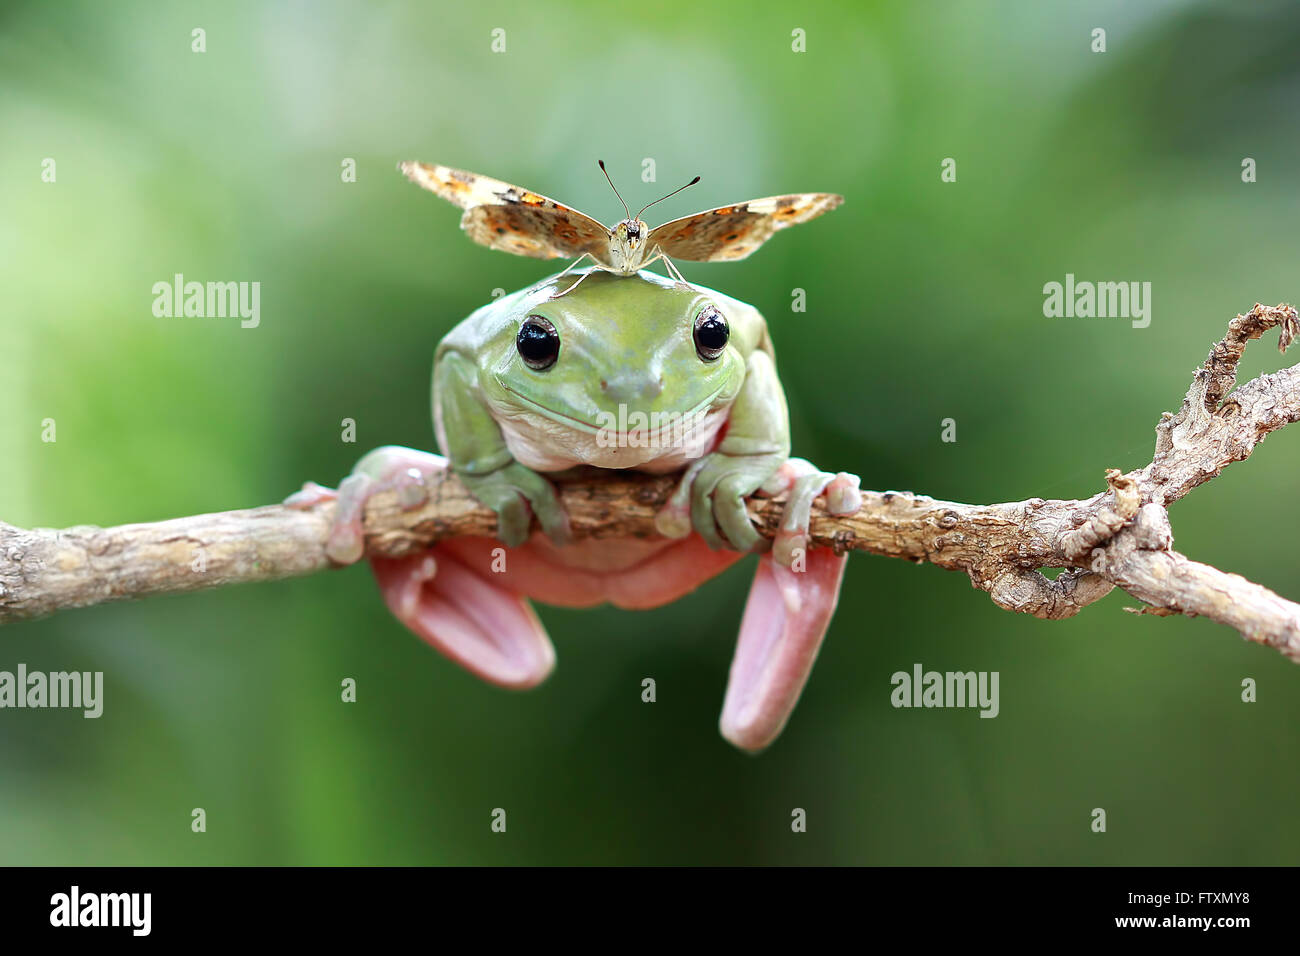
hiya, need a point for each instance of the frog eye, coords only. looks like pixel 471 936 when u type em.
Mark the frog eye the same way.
pixel 711 333
pixel 538 343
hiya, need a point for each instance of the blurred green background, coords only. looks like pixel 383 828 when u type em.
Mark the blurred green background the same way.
pixel 924 302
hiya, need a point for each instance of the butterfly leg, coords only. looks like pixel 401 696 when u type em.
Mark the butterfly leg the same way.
pixel 672 269
pixel 556 295
pixel 569 268
pixel 574 264
pixel 658 254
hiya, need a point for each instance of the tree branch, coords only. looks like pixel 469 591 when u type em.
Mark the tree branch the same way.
pixel 1120 537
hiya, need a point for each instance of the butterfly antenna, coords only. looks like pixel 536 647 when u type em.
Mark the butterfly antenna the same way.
pixel 669 196
pixel 601 164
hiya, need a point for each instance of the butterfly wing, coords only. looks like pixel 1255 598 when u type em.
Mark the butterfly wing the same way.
pixel 733 232
pixel 511 219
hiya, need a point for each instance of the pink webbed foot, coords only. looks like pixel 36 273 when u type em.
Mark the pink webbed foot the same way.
pixel 468 616
pixel 790 607
pixel 785 620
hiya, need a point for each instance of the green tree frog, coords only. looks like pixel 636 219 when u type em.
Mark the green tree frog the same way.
pixel 634 372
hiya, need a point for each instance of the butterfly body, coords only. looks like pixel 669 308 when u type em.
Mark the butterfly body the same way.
pixel 628 246
pixel 517 220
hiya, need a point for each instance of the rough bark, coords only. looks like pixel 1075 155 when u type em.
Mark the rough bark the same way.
pixel 1120 537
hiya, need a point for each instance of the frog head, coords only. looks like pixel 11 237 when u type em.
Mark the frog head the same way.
pixel 618 356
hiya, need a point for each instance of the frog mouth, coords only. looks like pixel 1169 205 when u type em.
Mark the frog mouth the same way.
pixel 666 420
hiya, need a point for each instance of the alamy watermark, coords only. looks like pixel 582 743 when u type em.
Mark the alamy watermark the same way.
pixel 75 909
pixel 922 688
pixel 1102 300
pixel 208 300
pixel 637 429
pixel 80 690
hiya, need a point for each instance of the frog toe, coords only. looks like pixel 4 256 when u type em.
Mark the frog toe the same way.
pixel 702 514
pixel 309 496
pixel 551 515
pixel 843 494
pixel 673 520
pixel 347 543
pixel 732 515
pixel 513 519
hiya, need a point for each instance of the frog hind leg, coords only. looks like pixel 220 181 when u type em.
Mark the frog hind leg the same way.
pixel 786 616
pixel 467 616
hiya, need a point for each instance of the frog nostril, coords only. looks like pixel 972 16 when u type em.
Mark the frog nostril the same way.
pixel 604 385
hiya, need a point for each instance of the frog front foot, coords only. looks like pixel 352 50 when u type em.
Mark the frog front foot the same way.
pixel 710 499
pixel 516 493
pixel 806 483
pixel 391 467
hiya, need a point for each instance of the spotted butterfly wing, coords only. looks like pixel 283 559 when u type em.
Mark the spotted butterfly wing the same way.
pixel 733 232
pixel 510 218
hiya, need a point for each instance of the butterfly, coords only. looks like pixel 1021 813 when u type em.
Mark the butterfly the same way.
pixel 513 219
